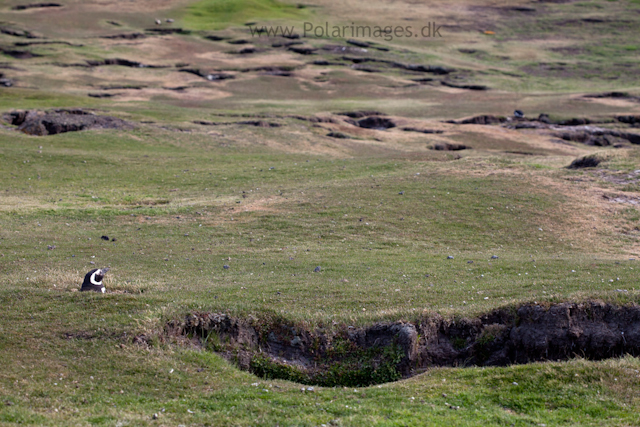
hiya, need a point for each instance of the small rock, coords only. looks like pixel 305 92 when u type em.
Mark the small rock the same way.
pixel 317 269
pixel 401 193
pixel 226 267
pixel 494 257
pixel 450 257
pixel 51 247
pixel 469 262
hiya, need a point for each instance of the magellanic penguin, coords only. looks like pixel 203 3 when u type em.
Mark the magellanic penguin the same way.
pixel 93 280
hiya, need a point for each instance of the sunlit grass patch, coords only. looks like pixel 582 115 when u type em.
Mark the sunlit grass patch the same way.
pixel 216 14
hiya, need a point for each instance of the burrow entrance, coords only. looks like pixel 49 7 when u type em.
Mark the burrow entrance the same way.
pixel 384 352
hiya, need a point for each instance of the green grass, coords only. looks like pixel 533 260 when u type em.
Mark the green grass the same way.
pixel 218 14
pixel 164 267
pixel 183 200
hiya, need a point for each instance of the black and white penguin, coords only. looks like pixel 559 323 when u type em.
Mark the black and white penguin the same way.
pixel 518 114
pixel 93 280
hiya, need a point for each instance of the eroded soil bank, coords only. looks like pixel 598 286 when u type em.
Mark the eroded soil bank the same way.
pixel 344 355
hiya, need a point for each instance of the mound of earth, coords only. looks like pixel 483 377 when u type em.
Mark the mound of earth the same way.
pixel 376 122
pixel 338 135
pixel 122 63
pixel 631 120
pixel 209 76
pixel 462 86
pixel 256 123
pixel 35 6
pixel 585 162
pixel 18 33
pixel 125 36
pixel 303 50
pixel 19 54
pixel 449 147
pixel 598 137
pixel 41 123
pixel 614 95
pixel 360 114
pixel 480 120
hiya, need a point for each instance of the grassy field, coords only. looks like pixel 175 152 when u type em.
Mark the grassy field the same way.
pixel 380 212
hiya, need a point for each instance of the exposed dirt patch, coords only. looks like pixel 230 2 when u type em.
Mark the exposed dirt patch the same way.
pixel 167 31
pixel 19 54
pixel 18 33
pixel 303 50
pixel 35 6
pixel 578 129
pixel 256 123
pixel 480 120
pixel 343 49
pixel 615 95
pixel 338 135
pixel 212 77
pixel 433 69
pixel 41 123
pixel 4 81
pixel 272 71
pixel 463 86
pixel 123 63
pixel 600 137
pixel 376 122
pixel 585 162
pixel 619 178
pixel 126 36
pixel 102 95
pixel 622 198
pixel 631 120
pixel 361 114
pixel 449 147
pixel 276 348
pixel 46 42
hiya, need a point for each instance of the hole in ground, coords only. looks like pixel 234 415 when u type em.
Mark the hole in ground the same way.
pixel 274 347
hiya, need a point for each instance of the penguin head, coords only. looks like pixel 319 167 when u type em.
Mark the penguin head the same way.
pixel 93 280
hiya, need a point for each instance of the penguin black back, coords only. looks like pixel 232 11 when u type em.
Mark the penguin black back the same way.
pixel 93 280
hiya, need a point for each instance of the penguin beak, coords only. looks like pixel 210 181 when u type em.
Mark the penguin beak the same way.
pixel 104 270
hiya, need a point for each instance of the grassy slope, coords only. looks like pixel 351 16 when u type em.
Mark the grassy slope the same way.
pixel 168 265
pixel 68 357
